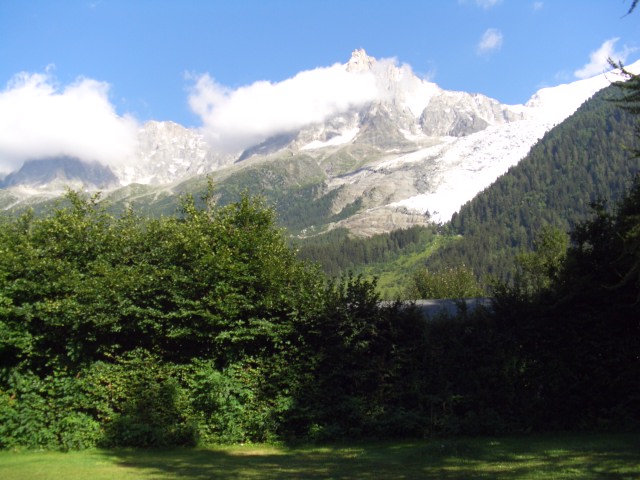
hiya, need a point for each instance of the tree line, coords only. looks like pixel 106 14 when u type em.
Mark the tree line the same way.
pixel 126 331
pixel 582 161
pixel 338 252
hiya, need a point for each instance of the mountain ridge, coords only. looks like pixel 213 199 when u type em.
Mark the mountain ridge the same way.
pixel 413 156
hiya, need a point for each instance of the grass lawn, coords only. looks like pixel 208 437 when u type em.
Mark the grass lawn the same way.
pixel 595 456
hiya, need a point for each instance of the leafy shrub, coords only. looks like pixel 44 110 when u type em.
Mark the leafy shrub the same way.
pixel 141 402
pixel 219 400
pixel 45 413
pixel 449 282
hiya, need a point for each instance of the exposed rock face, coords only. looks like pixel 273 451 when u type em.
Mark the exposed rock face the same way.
pixel 360 61
pixel 60 171
pixel 380 126
pixel 168 152
pixel 458 114
pixel 271 145
pixel 377 220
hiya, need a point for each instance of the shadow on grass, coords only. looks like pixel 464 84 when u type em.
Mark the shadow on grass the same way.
pixel 585 457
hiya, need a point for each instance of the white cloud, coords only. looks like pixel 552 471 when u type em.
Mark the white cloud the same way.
pixel 491 40
pixel 38 119
pixel 236 119
pixel 599 59
pixel 537 6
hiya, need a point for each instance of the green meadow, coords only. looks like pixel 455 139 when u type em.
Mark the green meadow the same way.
pixel 562 456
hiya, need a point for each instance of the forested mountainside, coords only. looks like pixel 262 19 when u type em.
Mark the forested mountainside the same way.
pixel 337 251
pixel 584 160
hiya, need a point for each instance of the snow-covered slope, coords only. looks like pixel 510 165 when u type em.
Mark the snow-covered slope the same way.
pixel 454 145
pixel 467 165
pixel 415 154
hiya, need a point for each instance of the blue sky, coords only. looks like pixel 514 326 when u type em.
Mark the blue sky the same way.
pixel 143 57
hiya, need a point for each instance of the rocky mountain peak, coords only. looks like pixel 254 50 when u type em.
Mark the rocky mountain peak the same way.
pixel 412 154
pixel 56 172
pixel 360 61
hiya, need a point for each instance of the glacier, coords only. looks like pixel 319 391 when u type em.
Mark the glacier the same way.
pixel 418 152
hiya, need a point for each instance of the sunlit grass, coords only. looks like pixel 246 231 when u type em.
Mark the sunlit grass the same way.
pixel 394 275
pixel 527 457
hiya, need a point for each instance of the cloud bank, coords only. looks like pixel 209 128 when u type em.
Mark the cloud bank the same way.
pixel 491 40
pixel 599 59
pixel 236 119
pixel 38 119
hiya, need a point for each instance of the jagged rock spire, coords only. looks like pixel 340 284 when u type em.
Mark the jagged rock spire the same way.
pixel 360 61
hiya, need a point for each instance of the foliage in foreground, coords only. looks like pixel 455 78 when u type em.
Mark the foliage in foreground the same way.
pixel 198 328
pixel 124 331
pixel 106 316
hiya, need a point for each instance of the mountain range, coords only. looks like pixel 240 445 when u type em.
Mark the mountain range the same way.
pixel 413 156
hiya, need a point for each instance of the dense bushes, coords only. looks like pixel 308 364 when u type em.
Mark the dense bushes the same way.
pixel 49 412
pixel 81 285
pixel 579 335
pixel 201 327
pixel 451 282
pixel 120 308
pixel 124 331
